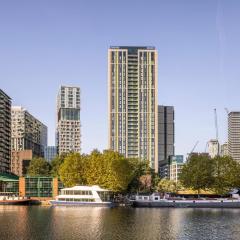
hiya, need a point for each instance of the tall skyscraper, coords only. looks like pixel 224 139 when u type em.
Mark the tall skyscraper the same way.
pixel 165 138
pixel 68 120
pixel 132 91
pixel 213 148
pixel 5 132
pixel 234 135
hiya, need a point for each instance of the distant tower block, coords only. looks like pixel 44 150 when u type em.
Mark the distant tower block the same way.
pixel 68 120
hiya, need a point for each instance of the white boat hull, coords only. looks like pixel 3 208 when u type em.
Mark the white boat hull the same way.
pixel 86 204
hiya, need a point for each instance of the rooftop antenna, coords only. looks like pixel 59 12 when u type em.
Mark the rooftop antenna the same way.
pixel 216 127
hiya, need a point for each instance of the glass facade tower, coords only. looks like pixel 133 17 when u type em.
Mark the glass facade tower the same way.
pixel 132 91
pixel 165 138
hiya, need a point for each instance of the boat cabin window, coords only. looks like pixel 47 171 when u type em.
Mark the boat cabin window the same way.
pixel 76 199
pixel 145 198
pixel 156 198
pixel 104 196
pixel 76 192
pixel 140 198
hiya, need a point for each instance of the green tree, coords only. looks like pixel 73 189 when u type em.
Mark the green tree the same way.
pixel 146 183
pixel 226 174
pixel 72 170
pixel 56 163
pixel 140 168
pixel 38 167
pixel 109 170
pixel 166 185
pixel 198 173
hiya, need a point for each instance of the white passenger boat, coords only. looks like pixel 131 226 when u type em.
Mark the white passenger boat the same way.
pixel 84 195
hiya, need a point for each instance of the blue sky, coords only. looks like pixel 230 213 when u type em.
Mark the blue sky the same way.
pixel 45 44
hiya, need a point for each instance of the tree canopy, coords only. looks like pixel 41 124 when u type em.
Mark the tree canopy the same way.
pixel 72 170
pixel 220 174
pixel 38 167
pixel 108 169
pixel 197 173
pixel 166 185
pixel 56 163
pixel 226 174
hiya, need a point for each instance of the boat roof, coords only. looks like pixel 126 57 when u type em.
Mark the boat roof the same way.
pixel 4 177
pixel 86 188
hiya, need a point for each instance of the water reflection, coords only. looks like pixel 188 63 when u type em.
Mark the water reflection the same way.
pixel 22 222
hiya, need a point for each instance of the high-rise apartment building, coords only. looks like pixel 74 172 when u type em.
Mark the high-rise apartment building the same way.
pixel 29 138
pixel 213 148
pixel 165 137
pixel 68 120
pixel 234 135
pixel 133 113
pixel 5 132
pixel 28 133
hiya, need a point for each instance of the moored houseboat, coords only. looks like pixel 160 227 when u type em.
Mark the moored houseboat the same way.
pixel 155 200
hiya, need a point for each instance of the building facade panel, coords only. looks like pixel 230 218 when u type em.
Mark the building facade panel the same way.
pixel 20 161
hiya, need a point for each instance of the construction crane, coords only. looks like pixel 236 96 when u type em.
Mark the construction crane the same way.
pixel 216 123
pixel 206 147
pixel 216 128
pixel 189 154
pixel 194 147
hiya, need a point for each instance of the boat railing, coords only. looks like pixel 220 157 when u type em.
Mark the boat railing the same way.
pixel 11 197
